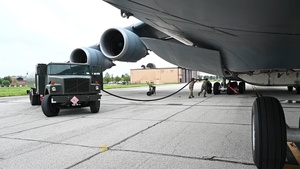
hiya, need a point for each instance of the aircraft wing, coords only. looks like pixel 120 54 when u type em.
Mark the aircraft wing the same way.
pixel 186 56
pixel 177 52
pixel 249 40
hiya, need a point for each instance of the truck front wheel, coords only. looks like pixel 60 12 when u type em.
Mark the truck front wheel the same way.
pixel 95 106
pixel 49 109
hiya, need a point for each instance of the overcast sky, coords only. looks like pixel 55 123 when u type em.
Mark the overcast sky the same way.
pixel 43 31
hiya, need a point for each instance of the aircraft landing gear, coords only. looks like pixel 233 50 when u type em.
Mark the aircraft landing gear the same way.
pixel 216 88
pixel 242 87
pixel 269 139
pixel 229 88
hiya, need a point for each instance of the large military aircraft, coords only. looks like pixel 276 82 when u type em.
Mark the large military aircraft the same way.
pixel 250 41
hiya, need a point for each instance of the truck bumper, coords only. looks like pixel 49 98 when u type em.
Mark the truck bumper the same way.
pixel 75 99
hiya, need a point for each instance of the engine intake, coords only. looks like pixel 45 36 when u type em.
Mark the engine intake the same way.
pixel 92 56
pixel 122 45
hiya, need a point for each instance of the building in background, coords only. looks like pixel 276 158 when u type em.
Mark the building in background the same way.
pixel 161 75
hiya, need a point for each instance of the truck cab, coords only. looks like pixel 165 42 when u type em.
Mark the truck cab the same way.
pixel 66 85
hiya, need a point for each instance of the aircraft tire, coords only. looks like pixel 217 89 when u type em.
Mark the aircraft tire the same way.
pixel 234 84
pixel 231 84
pixel 209 86
pixel 268 133
pixel 242 87
pixel 298 90
pixel 95 106
pixel 216 88
pixel 49 109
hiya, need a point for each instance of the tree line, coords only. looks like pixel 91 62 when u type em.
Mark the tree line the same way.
pixel 5 81
pixel 123 79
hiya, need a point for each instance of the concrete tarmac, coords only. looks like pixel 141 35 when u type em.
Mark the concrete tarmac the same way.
pixel 177 132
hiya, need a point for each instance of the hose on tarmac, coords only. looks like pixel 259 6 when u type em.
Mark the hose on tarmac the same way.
pixel 146 100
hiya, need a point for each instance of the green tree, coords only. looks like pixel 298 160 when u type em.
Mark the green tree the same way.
pixel 112 79
pixel 106 78
pixel 117 78
pixel 122 77
pixel 6 83
pixel 8 78
pixel 0 81
pixel 126 78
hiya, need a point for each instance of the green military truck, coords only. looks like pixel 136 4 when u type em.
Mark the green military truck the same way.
pixel 66 85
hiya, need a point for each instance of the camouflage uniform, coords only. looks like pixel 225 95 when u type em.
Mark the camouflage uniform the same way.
pixel 191 87
pixel 204 87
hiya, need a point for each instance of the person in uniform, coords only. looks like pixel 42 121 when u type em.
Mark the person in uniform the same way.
pixel 191 87
pixel 204 87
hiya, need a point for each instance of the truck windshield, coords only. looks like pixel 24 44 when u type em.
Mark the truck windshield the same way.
pixel 69 69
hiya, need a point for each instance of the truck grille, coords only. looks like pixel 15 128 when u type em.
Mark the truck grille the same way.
pixel 77 85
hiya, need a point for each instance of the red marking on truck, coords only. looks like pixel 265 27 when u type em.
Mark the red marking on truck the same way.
pixel 74 100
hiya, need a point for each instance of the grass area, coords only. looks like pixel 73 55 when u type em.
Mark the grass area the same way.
pixel 19 91
pixel 13 91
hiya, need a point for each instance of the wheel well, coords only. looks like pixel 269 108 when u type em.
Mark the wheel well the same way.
pixel 46 92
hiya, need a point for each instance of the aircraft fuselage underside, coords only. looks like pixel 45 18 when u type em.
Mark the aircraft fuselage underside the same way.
pixel 272 77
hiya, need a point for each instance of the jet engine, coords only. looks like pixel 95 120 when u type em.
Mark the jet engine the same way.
pixel 92 56
pixel 116 44
pixel 122 45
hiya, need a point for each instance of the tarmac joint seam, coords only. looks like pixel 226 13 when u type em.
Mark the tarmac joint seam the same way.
pixel 206 158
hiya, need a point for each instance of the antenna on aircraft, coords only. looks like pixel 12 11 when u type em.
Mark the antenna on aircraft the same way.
pixel 125 14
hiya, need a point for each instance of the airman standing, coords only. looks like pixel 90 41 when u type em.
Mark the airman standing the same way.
pixel 204 87
pixel 191 87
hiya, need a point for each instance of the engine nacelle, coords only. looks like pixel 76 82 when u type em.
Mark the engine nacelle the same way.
pixel 92 56
pixel 122 45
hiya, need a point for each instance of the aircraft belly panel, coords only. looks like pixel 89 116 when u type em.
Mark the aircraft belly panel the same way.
pixel 194 58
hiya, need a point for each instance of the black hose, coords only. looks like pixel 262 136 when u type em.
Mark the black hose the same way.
pixel 147 100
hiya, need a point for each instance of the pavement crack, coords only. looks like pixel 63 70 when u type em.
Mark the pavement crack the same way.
pixel 206 158
pixel 216 123
pixel 49 142
pixel 20 124
pixel 124 140
pixel 149 127
pixel 20 131
pixel 86 159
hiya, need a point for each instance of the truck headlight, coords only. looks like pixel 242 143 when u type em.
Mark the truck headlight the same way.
pixel 97 87
pixel 53 89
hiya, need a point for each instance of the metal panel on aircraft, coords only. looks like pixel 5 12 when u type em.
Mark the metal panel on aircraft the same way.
pixel 186 56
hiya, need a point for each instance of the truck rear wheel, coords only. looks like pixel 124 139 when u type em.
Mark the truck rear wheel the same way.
pixel 95 106
pixel 32 102
pixel 34 98
pixel 49 109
